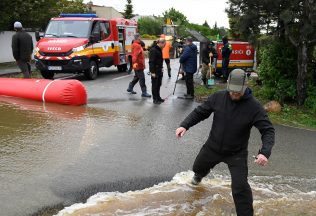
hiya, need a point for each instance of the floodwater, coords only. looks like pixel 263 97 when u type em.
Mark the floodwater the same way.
pixel 56 157
pixel 273 196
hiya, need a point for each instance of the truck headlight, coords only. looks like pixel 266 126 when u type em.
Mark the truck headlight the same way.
pixel 78 49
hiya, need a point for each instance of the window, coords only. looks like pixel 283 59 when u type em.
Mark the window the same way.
pixel 105 30
pixel 96 30
pixel 68 28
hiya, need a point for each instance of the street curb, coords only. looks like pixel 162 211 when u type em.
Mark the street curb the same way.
pixel 9 73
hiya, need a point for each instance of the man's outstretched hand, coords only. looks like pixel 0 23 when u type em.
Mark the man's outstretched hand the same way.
pixel 261 160
pixel 180 132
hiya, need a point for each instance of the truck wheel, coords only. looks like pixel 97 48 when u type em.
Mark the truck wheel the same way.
pixel 93 71
pixel 122 68
pixel 47 74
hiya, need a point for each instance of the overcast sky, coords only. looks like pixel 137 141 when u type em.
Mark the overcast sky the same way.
pixel 197 11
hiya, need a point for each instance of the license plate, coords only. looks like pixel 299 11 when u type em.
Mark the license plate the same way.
pixel 55 68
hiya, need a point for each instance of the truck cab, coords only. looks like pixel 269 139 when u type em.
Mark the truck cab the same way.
pixel 74 43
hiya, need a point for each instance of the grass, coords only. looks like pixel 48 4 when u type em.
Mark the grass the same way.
pixel 290 114
pixel 201 92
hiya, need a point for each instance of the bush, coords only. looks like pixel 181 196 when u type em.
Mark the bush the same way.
pixel 310 101
pixel 149 26
pixel 278 71
pixel 150 37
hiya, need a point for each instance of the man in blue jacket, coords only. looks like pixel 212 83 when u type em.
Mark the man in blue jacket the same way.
pixel 236 111
pixel 189 65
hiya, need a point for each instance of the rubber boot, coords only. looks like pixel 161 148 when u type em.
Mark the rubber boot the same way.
pixel 144 92
pixel 130 89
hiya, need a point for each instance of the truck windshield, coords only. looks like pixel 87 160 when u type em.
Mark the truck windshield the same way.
pixel 68 28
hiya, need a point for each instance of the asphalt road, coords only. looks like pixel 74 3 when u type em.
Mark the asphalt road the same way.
pixel 119 142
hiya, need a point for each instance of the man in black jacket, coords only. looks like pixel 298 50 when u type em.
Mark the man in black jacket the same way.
pixel 155 68
pixel 22 49
pixel 208 54
pixel 236 111
pixel 226 51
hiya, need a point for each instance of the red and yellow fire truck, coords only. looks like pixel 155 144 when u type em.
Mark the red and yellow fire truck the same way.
pixel 82 43
pixel 242 56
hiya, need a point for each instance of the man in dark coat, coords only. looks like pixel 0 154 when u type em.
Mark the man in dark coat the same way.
pixel 236 111
pixel 208 54
pixel 22 49
pixel 155 68
pixel 226 51
pixel 189 65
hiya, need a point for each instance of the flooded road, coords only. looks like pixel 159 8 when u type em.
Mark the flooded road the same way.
pixel 211 197
pixel 121 150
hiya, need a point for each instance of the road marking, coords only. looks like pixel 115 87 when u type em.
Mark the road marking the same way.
pixel 65 77
pixel 122 77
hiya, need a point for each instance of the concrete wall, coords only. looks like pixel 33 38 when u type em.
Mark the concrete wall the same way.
pixel 5 45
pixel 106 12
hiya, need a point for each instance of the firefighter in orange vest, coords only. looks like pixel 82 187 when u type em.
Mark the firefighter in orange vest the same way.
pixel 166 54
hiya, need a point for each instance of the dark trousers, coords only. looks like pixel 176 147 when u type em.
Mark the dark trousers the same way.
pixel 238 167
pixel 225 64
pixel 155 88
pixel 189 83
pixel 139 76
pixel 25 68
pixel 168 66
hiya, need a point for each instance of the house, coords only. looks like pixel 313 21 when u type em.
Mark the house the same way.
pixel 106 12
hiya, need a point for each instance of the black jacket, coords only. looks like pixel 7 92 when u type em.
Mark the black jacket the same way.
pixel 22 46
pixel 206 54
pixel 226 50
pixel 155 60
pixel 232 123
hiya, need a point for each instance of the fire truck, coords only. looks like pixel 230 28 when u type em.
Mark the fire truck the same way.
pixel 82 43
pixel 242 56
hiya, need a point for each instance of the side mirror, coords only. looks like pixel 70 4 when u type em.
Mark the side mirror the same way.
pixel 38 35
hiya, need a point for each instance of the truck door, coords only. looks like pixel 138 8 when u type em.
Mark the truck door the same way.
pixel 121 40
pixel 96 33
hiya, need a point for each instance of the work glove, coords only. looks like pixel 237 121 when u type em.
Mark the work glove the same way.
pixel 135 65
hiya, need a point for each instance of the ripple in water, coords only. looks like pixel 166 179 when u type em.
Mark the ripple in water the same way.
pixel 179 197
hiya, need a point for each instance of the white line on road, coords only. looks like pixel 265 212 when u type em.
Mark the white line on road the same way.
pixel 122 77
pixel 65 77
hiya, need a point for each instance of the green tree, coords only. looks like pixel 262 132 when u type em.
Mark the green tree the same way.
pixel 36 14
pixel 177 17
pixel 128 12
pixel 292 19
pixel 205 24
pixel 149 25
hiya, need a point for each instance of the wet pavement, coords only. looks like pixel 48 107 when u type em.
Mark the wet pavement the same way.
pixel 53 155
